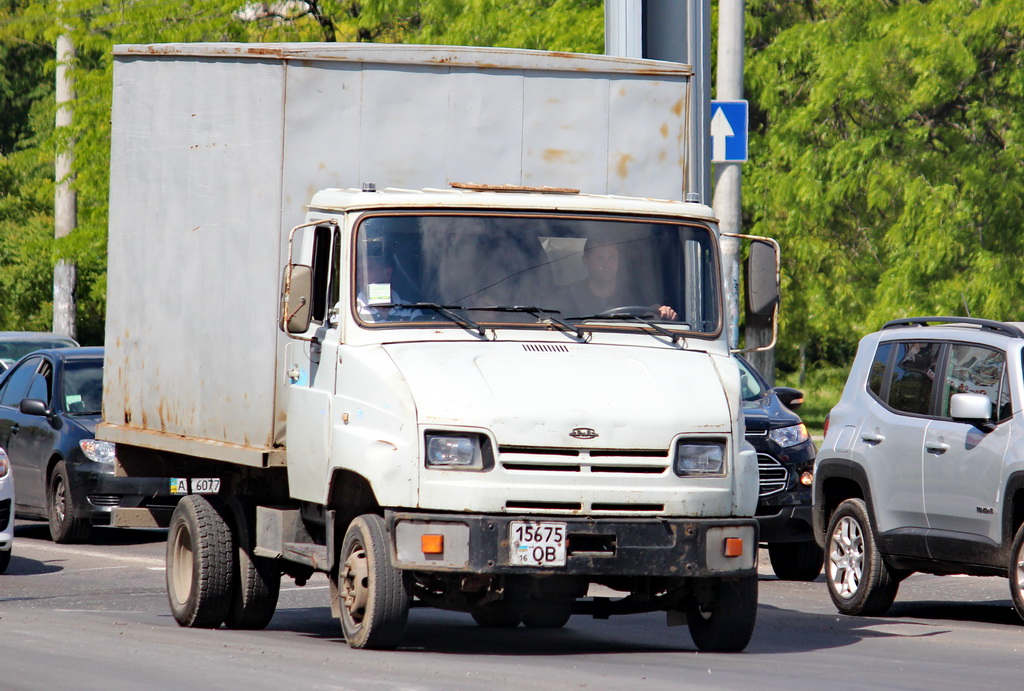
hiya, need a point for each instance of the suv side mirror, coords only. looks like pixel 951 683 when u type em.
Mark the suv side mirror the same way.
pixel 972 407
pixel 791 398
pixel 296 299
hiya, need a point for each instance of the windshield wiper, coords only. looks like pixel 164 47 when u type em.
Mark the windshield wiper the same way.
pixel 446 310
pixel 539 312
pixel 674 335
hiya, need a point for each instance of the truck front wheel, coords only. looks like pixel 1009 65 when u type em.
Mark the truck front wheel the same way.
pixel 721 619
pixel 200 563
pixel 374 594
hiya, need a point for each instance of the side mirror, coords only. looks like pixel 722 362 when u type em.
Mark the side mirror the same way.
pixel 762 278
pixel 975 408
pixel 34 406
pixel 791 398
pixel 296 299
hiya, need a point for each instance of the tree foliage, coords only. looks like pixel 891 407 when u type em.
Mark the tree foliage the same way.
pixel 888 159
pixel 28 31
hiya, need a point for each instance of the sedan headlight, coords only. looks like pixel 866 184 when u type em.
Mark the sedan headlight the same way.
pixel 5 464
pixel 699 459
pixel 789 436
pixel 456 452
pixel 98 451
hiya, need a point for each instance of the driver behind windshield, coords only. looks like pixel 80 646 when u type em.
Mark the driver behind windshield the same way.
pixel 606 287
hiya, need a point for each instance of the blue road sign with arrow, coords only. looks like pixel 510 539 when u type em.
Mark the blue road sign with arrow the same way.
pixel 728 131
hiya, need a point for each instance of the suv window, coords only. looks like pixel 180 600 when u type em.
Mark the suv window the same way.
pixel 876 377
pixel 913 377
pixel 977 369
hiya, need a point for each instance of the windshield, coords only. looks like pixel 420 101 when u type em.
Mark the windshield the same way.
pixel 750 386
pixel 14 349
pixel 470 269
pixel 82 386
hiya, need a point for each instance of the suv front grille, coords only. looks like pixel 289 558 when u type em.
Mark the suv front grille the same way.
pixel 774 475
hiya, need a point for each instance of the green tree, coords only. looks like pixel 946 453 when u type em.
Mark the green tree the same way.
pixel 887 158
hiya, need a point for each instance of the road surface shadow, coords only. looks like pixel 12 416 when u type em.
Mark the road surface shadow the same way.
pixel 100 535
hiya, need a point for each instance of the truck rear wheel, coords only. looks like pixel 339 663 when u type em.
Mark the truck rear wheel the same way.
pixel 256 580
pixel 796 561
pixel 723 621
pixel 199 563
pixel 374 594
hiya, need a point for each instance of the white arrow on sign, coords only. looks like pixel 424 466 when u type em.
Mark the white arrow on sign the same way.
pixel 720 130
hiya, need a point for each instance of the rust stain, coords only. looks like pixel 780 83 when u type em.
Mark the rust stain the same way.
pixel 664 130
pixel 555 155
pixel 677 108
pixel 622 167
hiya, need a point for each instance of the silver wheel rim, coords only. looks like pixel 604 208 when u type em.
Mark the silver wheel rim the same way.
pixel 59 500
pixel 846 558
pixel 1018 572
pixel 355 590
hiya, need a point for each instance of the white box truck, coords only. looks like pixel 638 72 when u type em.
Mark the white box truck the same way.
pixel 414 317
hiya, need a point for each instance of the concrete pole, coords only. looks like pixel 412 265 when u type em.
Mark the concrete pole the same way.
pixel 727 200
pixel 65 207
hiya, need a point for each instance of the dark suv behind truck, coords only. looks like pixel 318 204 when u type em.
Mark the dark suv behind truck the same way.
pixel 785 459
pixel 922 466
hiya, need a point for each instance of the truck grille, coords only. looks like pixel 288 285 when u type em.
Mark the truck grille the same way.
pixel 774 475
pixel 566 460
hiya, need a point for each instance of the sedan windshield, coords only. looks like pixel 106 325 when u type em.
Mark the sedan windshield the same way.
pixel 573 271
pixel 82 386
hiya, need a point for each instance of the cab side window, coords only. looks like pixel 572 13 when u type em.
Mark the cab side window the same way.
pixel 977 369
pixel 913 377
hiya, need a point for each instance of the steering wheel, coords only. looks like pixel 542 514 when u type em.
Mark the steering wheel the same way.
pixel 631 310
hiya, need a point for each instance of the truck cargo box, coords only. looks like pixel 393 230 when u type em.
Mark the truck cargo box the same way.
pixel 218 148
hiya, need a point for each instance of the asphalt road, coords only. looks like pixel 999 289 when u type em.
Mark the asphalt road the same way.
pixel 95 617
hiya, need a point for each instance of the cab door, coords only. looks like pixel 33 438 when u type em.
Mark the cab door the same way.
pixel 312 368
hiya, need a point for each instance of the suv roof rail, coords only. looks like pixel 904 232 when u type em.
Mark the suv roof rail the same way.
pixel 987 324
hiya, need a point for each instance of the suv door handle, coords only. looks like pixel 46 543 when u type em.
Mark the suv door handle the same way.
pixel 936 446
pixel 872 437
pixel 15 428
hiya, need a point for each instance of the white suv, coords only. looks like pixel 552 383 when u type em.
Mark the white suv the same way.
pixel 922 466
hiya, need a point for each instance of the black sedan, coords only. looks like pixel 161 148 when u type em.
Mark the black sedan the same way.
pixel 49 407
pixel 785 460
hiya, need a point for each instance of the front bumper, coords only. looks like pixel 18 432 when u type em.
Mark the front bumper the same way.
pixel 786 524
pixel 676 547
pixel 97 493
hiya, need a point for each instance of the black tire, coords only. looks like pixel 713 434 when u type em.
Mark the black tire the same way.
pixel 497 616
pixel 200 561
pixel 374 595
pixel 796 561
pixel 1017 572
pixel 859 581
pixel 725 624
pixel 547 615
pixel 65 527
pixel 5 559
pixel 256 581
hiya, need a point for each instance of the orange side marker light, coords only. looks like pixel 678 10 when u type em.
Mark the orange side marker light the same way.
pixel 733 546
pixel 432 544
